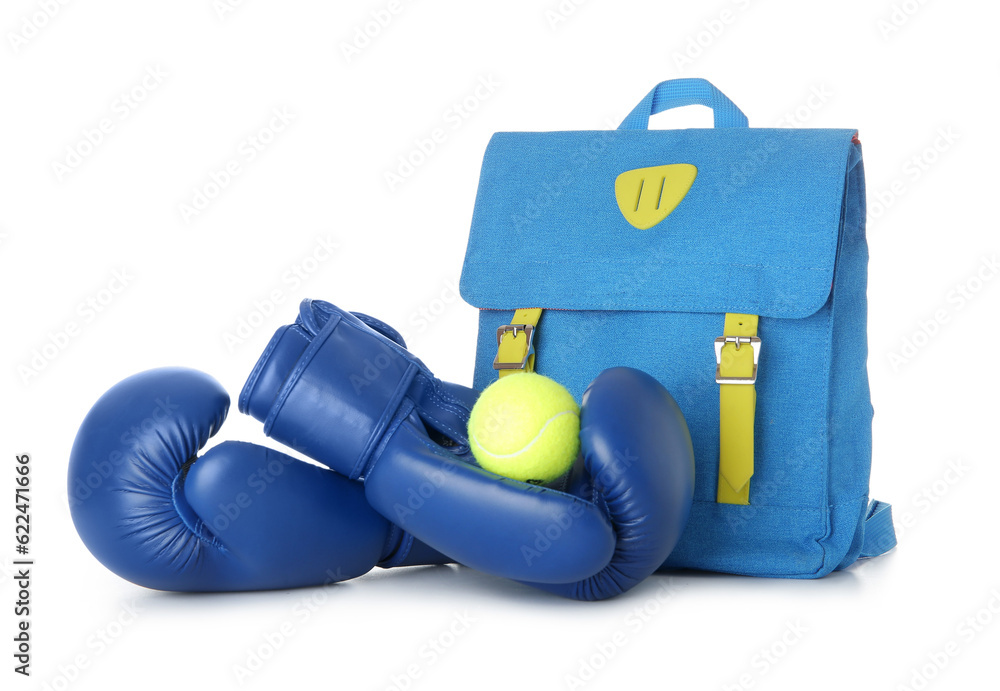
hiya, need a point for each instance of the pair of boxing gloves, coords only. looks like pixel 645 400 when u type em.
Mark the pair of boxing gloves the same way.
pixel 400 487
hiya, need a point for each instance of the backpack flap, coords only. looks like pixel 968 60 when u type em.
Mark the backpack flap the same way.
pixel 755 233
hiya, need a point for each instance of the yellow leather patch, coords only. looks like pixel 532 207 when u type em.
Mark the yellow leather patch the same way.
pixel 646 196
pixel 737 410
pixel 513 346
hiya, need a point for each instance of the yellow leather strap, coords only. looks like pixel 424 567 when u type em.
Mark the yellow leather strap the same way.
pixel 515 349
pixel 737 352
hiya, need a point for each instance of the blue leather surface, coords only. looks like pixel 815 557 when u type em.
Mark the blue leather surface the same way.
pixel 369 409
pixel 483 520
pixel 329 385
pixel 240 517
pixel 638 459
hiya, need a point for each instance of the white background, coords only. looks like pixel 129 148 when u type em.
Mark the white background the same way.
pixel 916 79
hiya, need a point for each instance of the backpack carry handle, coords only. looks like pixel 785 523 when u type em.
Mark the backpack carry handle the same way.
pixel 684 92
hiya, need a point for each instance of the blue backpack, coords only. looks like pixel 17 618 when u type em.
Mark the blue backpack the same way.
pixel 729 263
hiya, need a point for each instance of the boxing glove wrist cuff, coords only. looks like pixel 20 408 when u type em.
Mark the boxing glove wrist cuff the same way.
pixel 330 372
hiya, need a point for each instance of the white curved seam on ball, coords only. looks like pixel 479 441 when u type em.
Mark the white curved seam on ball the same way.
pixel 526 446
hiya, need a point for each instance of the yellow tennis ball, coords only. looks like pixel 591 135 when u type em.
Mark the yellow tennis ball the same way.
pixel 526 427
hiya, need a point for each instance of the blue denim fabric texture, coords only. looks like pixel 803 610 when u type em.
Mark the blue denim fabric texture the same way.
pixel 773 225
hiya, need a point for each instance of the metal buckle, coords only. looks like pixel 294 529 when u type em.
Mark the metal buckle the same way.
pixel 529 333
pixel 738 340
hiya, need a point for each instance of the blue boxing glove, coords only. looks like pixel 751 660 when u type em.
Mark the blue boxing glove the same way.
pixel 240 517
pixel 343 389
